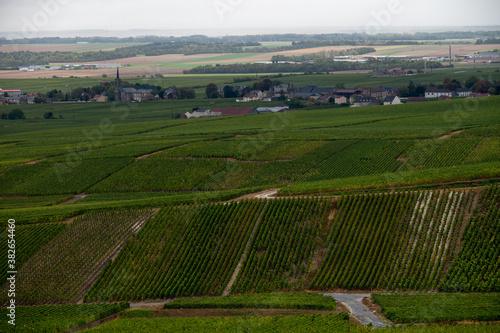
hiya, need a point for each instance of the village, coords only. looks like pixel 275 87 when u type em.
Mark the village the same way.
pixel 284 93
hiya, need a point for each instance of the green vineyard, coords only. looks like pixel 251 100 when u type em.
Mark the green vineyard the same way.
pixel 282 249
pixel 400 241
pixel 70 261
pixel 477 263
pixel 184 251
pixel 57 318
pixel 415 308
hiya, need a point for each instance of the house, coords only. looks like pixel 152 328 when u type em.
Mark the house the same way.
pixel 392 100
pixel 11 93
pixel 171 93
pixel 254 95
pixel 198 114
pixel 138 95
pixel 478 95
pixel 340 99
pixel 347 93
pixel 374 92
pixel 313 91
pixel 444 98
pixel 365 101
pixel 235 111
pixel 101 98
pixel 325 98
pixel 415 99
pixel 433 92
pixel 463 92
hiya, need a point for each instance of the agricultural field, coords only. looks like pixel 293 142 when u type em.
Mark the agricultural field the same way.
pixel 137 206
pixel 271 300
pixel 418 308
pixel 97 235
pixel 58 318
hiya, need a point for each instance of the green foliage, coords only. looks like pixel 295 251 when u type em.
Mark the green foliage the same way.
pixel 329 323
pixel 183 251
pixel 283 246
pixel 57 318
pixel 27 240
pixel 476 267
pixel 61 269
pixel 137 314
pixel 53 177
pixel 157 173
pixel 415 308
pixel 261 301
pixel 400 241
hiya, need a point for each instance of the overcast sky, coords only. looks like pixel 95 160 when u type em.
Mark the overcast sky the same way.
pixel 32 18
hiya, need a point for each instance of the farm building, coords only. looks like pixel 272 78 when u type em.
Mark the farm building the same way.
pixel 365 101
pixel 433 92
pixel 392 100
pixel 171 93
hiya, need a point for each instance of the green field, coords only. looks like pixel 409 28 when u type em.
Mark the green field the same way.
pixel 417 308
pixel 371 198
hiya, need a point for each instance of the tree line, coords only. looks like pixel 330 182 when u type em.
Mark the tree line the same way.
pixel 262 38
pixel 318 65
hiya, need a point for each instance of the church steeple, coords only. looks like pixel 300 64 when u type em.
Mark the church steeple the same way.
pixel 118 86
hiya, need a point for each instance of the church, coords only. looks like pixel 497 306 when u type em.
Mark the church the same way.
pixel 130 94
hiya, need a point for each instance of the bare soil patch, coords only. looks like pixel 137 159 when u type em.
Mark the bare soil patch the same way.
pixel 375 309
pixel 449 135
pixel 75 198
pixel 34 162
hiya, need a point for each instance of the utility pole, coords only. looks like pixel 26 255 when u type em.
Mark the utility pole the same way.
pixel 450 55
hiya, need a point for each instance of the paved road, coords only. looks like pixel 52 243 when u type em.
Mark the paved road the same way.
pixel 354 303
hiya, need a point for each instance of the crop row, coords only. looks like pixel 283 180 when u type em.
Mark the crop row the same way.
pixel 362 158
pixel 419 308
pixel 439 153
pixel 283 246
pixel 60 271
pixel 26 240
pixel 399 241
pixel 157 173
pixel 304 323
pixel 261 301
pixel 184 251
pixel 477 266
pixel 71 176
pixel 56 318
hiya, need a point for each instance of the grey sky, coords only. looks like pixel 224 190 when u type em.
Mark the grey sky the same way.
pixel 34 17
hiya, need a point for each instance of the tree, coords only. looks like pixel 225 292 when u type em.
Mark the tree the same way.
pixel 340 85
pixel 230 92
pixel 15 114
pixel 481 87
pixel 191 94
pixel 471 81
pixel 212 91
pixel 5 94
pixel 48 115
